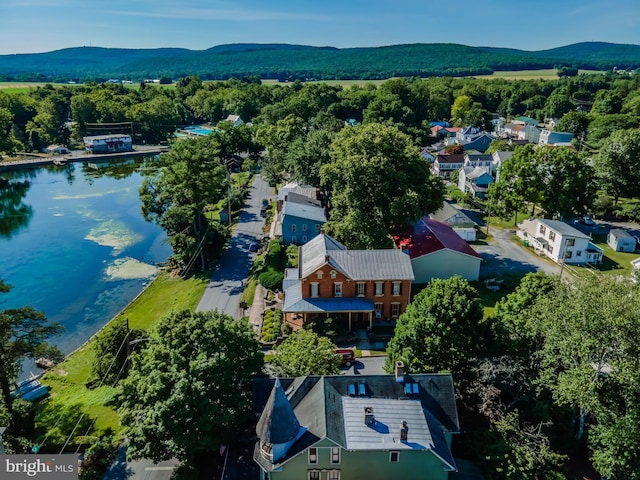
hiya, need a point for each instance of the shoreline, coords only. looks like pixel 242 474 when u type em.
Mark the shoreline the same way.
pixel 79 156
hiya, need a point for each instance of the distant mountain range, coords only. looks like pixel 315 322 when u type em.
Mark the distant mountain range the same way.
pixel 282 61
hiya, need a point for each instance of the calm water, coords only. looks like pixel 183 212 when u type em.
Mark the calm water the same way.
pixel 74 245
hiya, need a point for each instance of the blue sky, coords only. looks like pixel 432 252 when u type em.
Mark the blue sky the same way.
pixel 43 25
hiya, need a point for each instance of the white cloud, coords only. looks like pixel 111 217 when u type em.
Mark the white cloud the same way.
pixel 183 13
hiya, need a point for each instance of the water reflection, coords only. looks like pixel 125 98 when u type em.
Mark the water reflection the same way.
pixel 14 213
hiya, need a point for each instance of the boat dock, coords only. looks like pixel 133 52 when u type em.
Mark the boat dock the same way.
pixel 80 156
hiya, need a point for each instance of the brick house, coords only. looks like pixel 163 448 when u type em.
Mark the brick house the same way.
pixel 352 286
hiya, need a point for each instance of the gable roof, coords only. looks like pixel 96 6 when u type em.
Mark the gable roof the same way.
pixel 474 173
pixel 450 158
pixel 306 190
pixel 449 212
pixel 478 157
pixel 383 264
pixel 562 228
pixel 526 120
pixel 429 235
pixel 304 211
pixel 327 408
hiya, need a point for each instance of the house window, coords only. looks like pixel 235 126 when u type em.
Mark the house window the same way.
pixel 379 289
pixel 394 456
pixel 304 239
pixel 333 475
pixel 335 455
pixel 293 227
pixel 378 309
pixel 333 274
pixel 396 288
pixel 395 309
pixel 337 289
pixel 571 242
pixel 314 475
pixel 361 289
pixel 543 229
pixel 294 239
pixel 315 290
pixel 304 227
pixel 550 248
pixel 568 254
pixel 319 274
pixel 313 456
pixel 579 253
pixel 552 236
pixel 317 228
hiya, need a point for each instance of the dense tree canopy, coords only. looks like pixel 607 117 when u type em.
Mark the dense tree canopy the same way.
pixel 618 164
pixel 377 181
pixel 189 388
pixel 305 353
pixel 434 333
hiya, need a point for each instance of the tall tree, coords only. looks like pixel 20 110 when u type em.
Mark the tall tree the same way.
pixel 23 334
pixel 618 164
pixel 441 329
pixel 191 178
pixel 305 353
pixel 377 181
pixel 189 389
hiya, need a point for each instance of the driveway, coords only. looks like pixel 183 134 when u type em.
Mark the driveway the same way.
pixel 227 282
pixel 502 256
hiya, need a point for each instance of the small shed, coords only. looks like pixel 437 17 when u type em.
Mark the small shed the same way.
pixel 621 240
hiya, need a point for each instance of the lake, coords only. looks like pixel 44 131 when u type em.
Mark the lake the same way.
pixel 74 244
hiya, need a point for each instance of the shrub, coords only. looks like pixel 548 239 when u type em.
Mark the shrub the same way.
pixel 271 279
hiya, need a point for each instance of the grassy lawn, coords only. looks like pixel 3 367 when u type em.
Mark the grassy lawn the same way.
pixel 543 74
pixel 614 263
pixel 489 298
pixel 69 396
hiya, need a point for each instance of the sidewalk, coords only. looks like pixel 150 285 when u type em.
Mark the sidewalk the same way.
pixel 257 307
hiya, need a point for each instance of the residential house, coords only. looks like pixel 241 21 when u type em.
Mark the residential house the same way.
pixel 352 286
pixel 427 154
pixel 351 122
pixel 474 180
pixel 234 119
pixel 294 187
pixel 522 131
pixel 467 133
pixel 437 251
pixel 439 131
pixel 340 427
pixel 478 142
pixel 559 241
pixel 56 150
pixel 301 221
pixel 444 164
pixel 461 223
pixel 555 139
pixel 108 143
pixel 621 241
pixel 498 158
pixel 521 119
pixel 484 161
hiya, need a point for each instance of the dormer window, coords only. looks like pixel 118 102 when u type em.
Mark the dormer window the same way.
pixel 319 274
pixel 266 450
pixel 333 274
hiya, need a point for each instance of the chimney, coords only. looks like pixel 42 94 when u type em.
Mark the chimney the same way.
pixel 404 431
pixel 322 231
pixel 369 419
pixel 399 371
pixel 326 258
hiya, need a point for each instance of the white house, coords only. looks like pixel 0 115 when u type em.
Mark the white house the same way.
pixel 444 164
pixel 234 119
pixel 559 241
pixel 498 158
pixel 621 241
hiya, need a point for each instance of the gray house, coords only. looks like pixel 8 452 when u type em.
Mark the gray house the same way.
pixel 370 426
pixel 621 240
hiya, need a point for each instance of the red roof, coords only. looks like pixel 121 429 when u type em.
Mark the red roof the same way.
pixel 450 158
pixel 428 236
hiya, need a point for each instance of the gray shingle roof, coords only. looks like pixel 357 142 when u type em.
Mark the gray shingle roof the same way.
pixel 562 228
pixel 278 423
pixel 304 211
pixel 325 407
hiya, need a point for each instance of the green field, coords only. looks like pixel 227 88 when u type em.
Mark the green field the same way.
pixel 70 398
pixel 544 74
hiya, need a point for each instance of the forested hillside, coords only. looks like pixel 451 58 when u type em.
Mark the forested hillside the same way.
pixel 279 61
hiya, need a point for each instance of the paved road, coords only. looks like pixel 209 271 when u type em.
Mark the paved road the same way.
pixel 226 284
pixel 368 366
pixel 503 256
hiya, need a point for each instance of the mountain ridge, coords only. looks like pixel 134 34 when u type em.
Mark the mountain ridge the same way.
pixel 286 61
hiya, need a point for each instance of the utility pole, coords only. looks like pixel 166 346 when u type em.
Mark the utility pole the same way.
pixel 229 195
pixel 564 255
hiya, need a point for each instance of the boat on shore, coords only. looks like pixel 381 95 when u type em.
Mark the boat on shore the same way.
pixel 60 161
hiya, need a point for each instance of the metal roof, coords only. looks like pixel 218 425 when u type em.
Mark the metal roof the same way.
pixel 307 212
pixel 385 431
pixel 278 423
pixel 388 264
pixel 562 228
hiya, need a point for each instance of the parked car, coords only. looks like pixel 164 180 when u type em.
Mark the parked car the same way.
pixel 588 221
pixel 348 356
pixel 253 247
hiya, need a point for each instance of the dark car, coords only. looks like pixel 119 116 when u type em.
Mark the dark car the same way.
pixel 348 356
pixel 253 247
